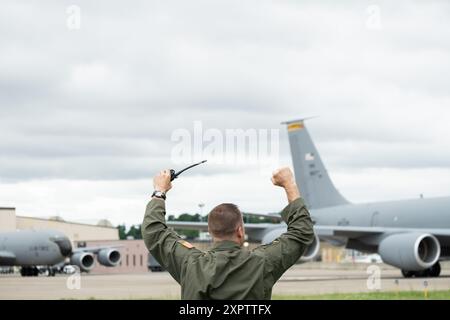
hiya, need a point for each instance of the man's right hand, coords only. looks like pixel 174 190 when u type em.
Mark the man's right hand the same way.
pixel 284 178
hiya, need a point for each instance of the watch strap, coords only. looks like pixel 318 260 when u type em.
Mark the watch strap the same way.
pixel 159 194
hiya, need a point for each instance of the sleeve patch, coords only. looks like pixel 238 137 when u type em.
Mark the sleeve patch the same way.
pixel 186 244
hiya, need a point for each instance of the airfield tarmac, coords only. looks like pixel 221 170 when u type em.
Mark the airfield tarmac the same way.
pixel 307 279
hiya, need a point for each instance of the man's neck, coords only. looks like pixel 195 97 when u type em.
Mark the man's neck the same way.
pixel 217 240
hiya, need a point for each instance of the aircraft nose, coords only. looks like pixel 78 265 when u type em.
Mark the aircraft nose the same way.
pixel 65 247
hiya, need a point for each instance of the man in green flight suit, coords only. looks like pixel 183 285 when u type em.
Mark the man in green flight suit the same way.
pixel 228 270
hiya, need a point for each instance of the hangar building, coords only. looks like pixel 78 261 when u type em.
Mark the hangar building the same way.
pixel 103 230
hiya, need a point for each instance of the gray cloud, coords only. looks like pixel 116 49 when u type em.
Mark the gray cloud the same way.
pixel 100 103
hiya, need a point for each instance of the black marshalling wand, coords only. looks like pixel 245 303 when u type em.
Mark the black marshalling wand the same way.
pixel 174 175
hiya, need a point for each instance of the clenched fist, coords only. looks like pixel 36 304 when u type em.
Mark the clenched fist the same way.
pixel 161 182
pixel 283 177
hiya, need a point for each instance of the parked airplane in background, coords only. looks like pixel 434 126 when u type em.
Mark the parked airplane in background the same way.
pixel 412 235
pixel 33 250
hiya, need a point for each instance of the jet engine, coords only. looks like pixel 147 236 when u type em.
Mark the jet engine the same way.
pixel 84 260
pixel 109 257
pixel 410 251
pixel 310 252
pixel 272 235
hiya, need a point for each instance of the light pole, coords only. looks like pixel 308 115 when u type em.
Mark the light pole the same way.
pixel 201 205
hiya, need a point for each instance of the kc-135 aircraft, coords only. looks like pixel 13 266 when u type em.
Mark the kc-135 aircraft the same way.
pixel 412 235
pixel 33 250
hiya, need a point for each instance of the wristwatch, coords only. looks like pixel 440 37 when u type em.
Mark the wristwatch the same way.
pixel 159 194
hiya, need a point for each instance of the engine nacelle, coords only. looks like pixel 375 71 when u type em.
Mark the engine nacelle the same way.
pixel 310 252
pixel 84 260
pixel 272 235
pixel 109 257
pixel 410 251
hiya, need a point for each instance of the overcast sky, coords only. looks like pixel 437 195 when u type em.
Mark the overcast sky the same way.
pixel 86 115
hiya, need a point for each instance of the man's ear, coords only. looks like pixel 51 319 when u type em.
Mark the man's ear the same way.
pixel 241 231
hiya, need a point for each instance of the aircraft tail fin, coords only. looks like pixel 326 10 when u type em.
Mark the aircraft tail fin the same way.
pixel 315 185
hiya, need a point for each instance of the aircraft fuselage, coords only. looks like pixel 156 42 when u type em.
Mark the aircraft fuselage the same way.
pixel 31 248
pixel 415 213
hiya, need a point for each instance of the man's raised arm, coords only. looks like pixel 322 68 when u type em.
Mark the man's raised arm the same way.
pixel 284 251
pixel 165 245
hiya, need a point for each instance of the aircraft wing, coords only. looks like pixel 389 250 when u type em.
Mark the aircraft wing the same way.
pixel 254 231
pixel 95 249
pixel 272 216
pixel 356 232
pixel 186 225
pixel 203 226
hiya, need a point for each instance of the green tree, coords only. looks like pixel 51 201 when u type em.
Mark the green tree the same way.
pixel 135 232
pixel 122 231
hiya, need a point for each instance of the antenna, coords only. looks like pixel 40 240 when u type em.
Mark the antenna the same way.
pixel 174 175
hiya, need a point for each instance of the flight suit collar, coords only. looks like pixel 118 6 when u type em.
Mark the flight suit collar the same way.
pixel 225 245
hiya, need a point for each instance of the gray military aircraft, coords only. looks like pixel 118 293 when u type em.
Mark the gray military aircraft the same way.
pixel 34 250
pixel 412 235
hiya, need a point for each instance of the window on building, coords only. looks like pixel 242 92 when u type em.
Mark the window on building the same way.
pixel 81 244
pixel 127 260
pixel 141 258
pixel 134 260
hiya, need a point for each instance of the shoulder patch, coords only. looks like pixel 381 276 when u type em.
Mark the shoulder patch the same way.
pixel 186 244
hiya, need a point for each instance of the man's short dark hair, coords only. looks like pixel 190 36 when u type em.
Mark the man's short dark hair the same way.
pixel 224 219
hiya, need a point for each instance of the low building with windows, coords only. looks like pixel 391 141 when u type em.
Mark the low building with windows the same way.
pixel 103 230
